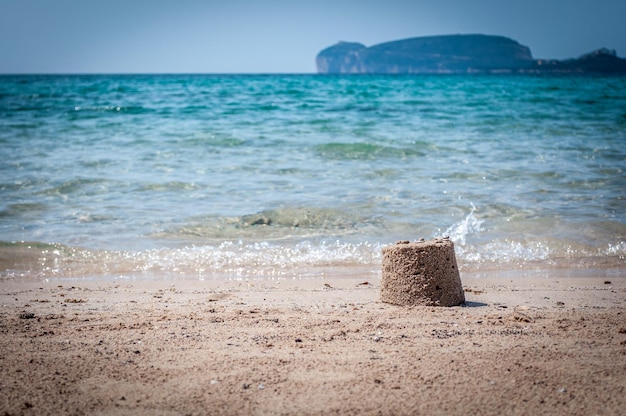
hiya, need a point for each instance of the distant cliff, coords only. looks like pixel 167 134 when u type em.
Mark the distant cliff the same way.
pixel 455 54
pixel 601 61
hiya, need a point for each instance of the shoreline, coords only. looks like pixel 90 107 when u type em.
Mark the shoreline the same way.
pixel 546 343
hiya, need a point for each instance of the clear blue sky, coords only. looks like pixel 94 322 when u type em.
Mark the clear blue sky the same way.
pixel 238 36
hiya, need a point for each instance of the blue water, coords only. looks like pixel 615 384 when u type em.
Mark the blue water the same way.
pixel 292 175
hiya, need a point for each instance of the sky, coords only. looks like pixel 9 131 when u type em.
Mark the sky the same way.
pixel 276 36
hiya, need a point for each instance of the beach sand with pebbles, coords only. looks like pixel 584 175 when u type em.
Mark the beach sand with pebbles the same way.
pixel 540 342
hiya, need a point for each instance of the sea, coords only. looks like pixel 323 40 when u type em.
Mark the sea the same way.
pixel 307 176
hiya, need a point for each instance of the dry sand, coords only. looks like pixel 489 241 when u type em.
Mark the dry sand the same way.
pixel 520 345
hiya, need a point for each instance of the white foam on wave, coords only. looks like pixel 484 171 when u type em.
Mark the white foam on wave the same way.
pixel 477 246
pixel 256 258
pixel 470 225
pixel 226 259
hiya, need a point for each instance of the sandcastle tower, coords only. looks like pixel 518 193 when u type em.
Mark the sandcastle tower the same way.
pixel 421 273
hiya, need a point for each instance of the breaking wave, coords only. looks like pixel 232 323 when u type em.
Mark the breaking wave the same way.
pixel 292 259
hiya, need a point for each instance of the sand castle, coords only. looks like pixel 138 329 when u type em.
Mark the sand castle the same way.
pixel 421 273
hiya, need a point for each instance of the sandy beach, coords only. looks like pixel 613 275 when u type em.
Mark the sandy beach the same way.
pixel 550 343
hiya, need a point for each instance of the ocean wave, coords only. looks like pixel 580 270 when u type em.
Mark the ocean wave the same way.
pixel 312 258
pixel 229 258
pixel 365 151
pixel 112 108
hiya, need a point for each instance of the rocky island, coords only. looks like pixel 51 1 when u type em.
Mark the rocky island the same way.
pixel 455 54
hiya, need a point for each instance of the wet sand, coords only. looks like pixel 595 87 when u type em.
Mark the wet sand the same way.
pixel 550 343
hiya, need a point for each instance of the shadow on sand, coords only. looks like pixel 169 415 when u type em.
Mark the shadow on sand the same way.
pixel 469 304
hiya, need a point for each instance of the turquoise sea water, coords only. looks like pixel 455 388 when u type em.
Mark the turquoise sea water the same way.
pixel 216 176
